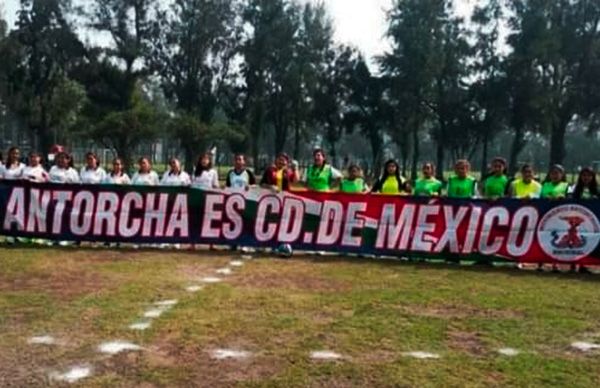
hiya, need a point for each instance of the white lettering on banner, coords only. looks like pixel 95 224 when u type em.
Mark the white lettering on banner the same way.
pixel 234 207
pixel 263 229
pixel 211 214
pixel 422 240
pixel 155 214
pixel 179 217
pixel 524 221
pixel 450 236
pixel 354 221
pixel 292 220
pixel 38 208
pixel 15 210
pixel 81 216
pixel 472 230
pixel 129 227
pixel 106 210
pixel 395 233
pixel 61 198
pixel 330 225
pixel 496 216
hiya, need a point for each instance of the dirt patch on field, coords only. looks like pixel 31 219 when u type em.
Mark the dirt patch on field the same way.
pixel 467 342
pixel 297 280
pixel 458 312
pixel 62 283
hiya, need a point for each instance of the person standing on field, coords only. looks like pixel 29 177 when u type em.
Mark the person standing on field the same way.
pixel 526 187
pixel 145 176
pixel 205 176
pixel 428 185
pixel 321 176
pixel 354 183
pixel 555 186
pixel 63 171
pixel 495 184
pixel 92 173
pixel 391 182
pixel 461 184
pixel 34 172
pixel 13 169
pixel 175 176
pixel 279 176
pixel 240 177
pixel 117 176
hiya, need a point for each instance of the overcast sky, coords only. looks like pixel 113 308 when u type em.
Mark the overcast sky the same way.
pixel 358 22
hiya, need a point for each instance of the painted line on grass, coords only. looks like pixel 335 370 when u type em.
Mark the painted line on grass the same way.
pixel 421 355
pixel 73 374
pixel 224 354
pixel 116 347
pixel 509 352
pixel 325 355
pixel 585 346
pixel 42 340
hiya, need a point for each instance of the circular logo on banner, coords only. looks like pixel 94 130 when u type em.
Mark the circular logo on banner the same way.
pixel 569 232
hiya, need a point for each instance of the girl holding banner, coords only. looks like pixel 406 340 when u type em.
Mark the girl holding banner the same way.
pixel 205 176
pixel 279 176
pixel 428 185
pixel 555 186
pixel 321 176
pixel 13 169
pixel 391 182
pixel 461 184
pixel 355 183
pixel 495 185
pixel 117 176
pixel 587 186
pixel 92 173
pixel 145 176
pixel 175 176
pixel 34 172
pixel 63 171
pixel 526 187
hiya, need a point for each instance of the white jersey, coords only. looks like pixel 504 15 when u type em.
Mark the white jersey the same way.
pixel 145 179
pixel 35 174
pixel 63 175
pixel 208 179
pixel 171 179
pixel 14 172
pixel 92 176
pixel 122 179
pixel 240 181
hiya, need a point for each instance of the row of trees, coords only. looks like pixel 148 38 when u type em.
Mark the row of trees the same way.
pixel 266 75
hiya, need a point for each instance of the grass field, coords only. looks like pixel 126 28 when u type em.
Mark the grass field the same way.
pixel 370 312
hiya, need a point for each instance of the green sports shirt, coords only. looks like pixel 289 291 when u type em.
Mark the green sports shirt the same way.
pixel 427 187
pixel 495 186
pixel 461 188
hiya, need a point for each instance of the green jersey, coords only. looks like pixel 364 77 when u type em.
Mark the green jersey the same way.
pixel 555 190
pixel 495 186
pixel 319 179
pixel 426 187
pixel 461 188
pixel 353 186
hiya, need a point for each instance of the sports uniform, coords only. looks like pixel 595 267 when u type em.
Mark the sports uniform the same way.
pixel 427 187
pixel 461 187
pixel 92 176
pixel 145 179
pixel 240 180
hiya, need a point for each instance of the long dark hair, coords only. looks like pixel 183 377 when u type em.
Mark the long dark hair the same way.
pixel 115 160
pixel 580 186
pixel 10 151
pixel 93 155
pixel 66 155
pixel 320 151
pixel 199 167
pixel 385 173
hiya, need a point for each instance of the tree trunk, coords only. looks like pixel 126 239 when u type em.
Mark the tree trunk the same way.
pixel 376 151
pixel 440 155
pixel 189 159
pixel 484 154
pixel 416 153
pixel 557 143
pixel 515 150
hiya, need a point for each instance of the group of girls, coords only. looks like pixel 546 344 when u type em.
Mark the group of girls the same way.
pixel 321 176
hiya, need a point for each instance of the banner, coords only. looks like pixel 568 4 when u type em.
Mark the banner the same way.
pixel 531 231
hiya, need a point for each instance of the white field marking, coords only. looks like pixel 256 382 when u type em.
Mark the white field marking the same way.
pixel 73 375
pixel 246 257
pixel 194 288
pixel 115 347
pixel 510 352
pixel 224 271
pixel 141 326
pixel 167 303
pixel 210 280
pixel 223 354
pixel 42 340
pixel 421 355
pixel 325 355
pixel 585 346
pixel 155 313
pixel 236 263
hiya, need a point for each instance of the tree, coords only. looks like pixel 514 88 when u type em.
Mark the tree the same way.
pixel 124 130
pixel 36 59
pixel 192 51
pixel 559 44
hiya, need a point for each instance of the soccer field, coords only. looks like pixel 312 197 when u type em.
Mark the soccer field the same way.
pixel 217 319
